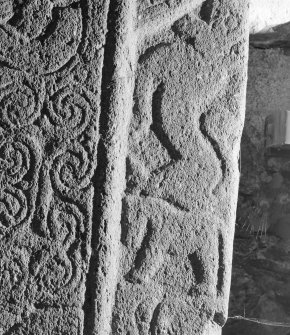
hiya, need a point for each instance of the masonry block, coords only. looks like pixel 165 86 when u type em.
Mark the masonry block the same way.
pixel 120 125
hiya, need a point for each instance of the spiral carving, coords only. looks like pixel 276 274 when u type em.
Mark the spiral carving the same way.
pixel 13 274
pixel 69 111
pixel 20 104
pixel 48 139
pixel 13 206
pixel 18 162
pixel 14 161
pixel 64 222
pixel 72 169
pixel 56 267
pixel 54 272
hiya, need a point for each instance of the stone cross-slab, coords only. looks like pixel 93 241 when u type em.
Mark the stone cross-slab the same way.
pixel 120 124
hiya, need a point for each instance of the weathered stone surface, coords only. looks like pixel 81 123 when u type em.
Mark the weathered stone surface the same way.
pixel 50 72
pixel 178 207
pixel 119 137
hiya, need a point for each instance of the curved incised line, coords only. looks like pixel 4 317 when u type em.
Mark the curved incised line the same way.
pixel 157 123
pixel 215 146
pixel 166 18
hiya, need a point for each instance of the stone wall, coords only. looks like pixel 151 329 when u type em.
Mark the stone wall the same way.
pixel 120 129
pixel 265 15
pixel 261 266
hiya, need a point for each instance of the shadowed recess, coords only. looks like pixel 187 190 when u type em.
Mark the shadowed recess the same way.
pixel 157 123
pixel 91 304
pixel 154 320
pixel 214 144
pixel 197 267
pixel 221 265
pixel 206 11
pixel 141 253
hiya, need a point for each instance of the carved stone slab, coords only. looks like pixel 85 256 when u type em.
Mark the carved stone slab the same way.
pixel 120 125
pixel 50 83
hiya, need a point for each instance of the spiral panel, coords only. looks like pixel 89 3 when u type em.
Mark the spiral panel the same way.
pixel 50 79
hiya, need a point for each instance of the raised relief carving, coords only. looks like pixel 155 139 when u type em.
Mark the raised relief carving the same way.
pixel 44 44
pixel 56 210
pixel 48 141
pixel 69 112
pixel 20 102
pixel 57 268
pixel 176 165
pixel 183 151
pixel 19 161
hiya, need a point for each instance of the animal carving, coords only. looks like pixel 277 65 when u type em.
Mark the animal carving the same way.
pixel 39 36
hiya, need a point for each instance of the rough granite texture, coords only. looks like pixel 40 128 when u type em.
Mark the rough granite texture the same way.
pixel 120 126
